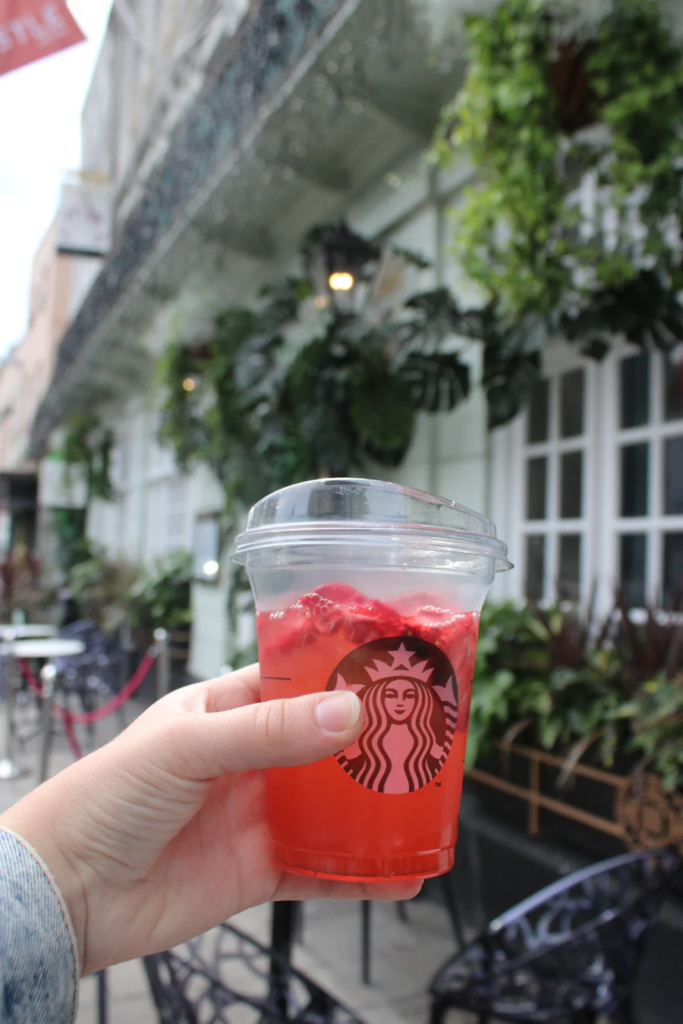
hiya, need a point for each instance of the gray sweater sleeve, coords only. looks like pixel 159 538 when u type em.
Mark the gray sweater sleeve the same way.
pixel 38 956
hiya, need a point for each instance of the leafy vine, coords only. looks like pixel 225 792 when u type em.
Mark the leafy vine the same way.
pixel 574 223
pixel 88 444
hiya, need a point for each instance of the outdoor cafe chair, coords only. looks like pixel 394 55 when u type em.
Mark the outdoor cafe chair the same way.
pixel 226 976
pixel 567 955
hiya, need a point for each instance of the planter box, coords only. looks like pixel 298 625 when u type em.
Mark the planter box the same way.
pixel 599 811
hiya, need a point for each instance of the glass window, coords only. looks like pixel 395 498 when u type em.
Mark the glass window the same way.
pixel 535 567
pixel 673 389
pixel 571 403
pixel 673 476
pixel 570 567
pixel 634 477
pixel 536 488
pixel 673 570
pixel 632 561
pixel 635 390
pixel 537 419
pixel 571 485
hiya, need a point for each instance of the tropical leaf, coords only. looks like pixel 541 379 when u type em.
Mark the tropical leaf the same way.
pixel 284 296
pixel 645 310
pixel 382 415
pixel 435 383
pixel 508 381
pixel 439 316
pixel 414 258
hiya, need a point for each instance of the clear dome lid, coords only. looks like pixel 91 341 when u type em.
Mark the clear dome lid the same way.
pixel 360 512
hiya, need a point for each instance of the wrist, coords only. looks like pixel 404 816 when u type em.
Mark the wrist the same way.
pixel 30 822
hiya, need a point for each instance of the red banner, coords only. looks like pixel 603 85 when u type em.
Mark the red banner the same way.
pixel 31 29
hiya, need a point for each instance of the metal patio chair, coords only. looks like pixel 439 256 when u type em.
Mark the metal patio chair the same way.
pixel 568 954
pixel 226 977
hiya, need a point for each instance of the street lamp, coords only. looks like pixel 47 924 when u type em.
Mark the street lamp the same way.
pixel 338 261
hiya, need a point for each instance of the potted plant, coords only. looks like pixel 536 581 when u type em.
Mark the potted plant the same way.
pixel 160 598
pixel 585 713
pixel 20 589
pixel 324 375
pixel 100 587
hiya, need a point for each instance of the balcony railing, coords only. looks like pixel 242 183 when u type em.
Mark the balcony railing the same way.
pixel 272 36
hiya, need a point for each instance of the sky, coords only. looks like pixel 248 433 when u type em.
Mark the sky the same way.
pixel 40 108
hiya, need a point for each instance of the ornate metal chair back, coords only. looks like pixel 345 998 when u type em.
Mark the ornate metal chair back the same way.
pixel 573 946
pixel 226 977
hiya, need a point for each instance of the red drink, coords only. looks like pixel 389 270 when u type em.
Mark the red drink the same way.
pixel 388 806
pixel 376 588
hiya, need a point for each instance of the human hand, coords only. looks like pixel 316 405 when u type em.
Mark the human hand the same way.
pixel 162 834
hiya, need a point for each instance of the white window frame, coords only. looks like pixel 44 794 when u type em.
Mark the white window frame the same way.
pixel 510 455
pixel 601 524
pixel 655 524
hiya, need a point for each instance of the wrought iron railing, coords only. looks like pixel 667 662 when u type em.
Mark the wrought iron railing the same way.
pixel 643 814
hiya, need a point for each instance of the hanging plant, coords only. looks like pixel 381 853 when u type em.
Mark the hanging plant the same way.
pixel 70 526
pixel 576 134
pixel 312 383
pixel 87 444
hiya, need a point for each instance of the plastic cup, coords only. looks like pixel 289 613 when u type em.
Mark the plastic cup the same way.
pixel 368 586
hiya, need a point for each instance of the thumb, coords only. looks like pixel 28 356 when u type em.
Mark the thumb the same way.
pixel 276 733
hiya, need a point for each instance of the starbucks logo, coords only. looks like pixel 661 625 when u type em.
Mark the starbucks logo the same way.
pixel 410 694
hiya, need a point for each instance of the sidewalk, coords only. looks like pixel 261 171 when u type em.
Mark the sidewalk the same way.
pixel 405 955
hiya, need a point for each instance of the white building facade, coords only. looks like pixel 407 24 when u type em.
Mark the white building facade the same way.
pixel 586 488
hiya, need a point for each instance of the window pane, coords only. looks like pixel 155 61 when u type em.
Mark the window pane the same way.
pixel 632 563
pixel 571 403
pixel 571 474
pixel 634 473
pixel 673 570
pixel 635 390
pixel 570 567
pixel 537 419
pixel 673 476
pixel 536 488
pixel 673 389
pixel 535 567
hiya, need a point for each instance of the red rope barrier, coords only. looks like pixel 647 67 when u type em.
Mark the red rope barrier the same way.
pixel 124 694
pixel 29 677
pixel 70 734
pixel 70 718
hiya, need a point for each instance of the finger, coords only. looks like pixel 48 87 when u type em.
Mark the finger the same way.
pixel 293 731
pixel 234 690
pixel 220 694
pixel 299 887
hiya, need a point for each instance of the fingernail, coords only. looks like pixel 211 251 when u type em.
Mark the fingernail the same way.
pixel 337 712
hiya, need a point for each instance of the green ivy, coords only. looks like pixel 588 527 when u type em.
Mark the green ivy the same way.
pixel 69 527
pixel 517 231
pixel 506 232
pixel 87 444
pixel 547 101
